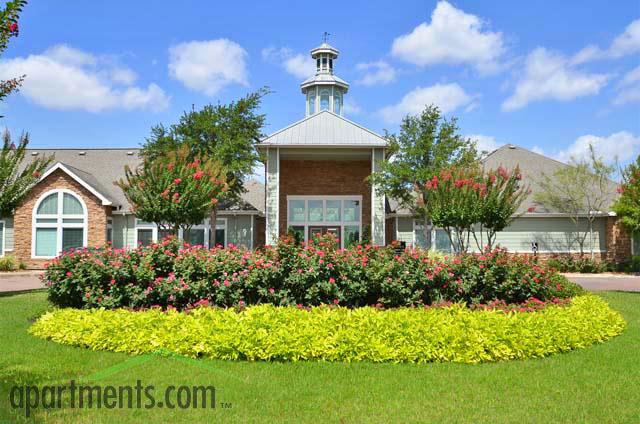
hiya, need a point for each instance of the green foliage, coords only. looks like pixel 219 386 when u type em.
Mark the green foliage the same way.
pixel 582 190
pixel 8 29
pixel 15 182
pixel 627 206
pixel 174 190
pixel 583 265
pixel 170 274
pixel 427 143
pixel 270 333
pixel 10 263
pixel 227 132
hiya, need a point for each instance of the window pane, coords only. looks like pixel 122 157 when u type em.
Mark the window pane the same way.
pixel 296 210
pixel 145 237
pixel 49 205
pixel 312 104
pixel 337 104
pixel 195 237
pixel 72 237
pixel 351 235
pixel 333 210
pixel 1 238
pixel 315 210
pixel 219 237
pixel 72 220
pixel 443 244
pixel 110 235
pixel 352 211
pixel 164 233
pixel 71 205
pixel 46 220
pixel 46 241
pixel 324 100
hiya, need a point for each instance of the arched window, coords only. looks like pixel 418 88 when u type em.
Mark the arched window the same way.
pixel 59 223
pixel 324 100
pixel 337 103
pixel 312 102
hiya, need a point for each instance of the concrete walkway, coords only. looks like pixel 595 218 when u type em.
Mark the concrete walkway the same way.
pixel 606 281
pixel 20 280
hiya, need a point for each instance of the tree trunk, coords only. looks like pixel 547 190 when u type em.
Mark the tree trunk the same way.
pixel 591 238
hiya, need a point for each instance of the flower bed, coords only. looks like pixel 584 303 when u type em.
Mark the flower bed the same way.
pixel 170 274
pixel 266 332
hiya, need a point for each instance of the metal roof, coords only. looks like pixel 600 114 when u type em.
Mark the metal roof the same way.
pixel 325 129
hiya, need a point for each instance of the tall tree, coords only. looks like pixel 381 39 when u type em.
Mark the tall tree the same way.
pixel 227 132
pixel 583 190
pixel 174 191
pixel 426 144
pixel 8 29
pixel 627 206
pixel 16 178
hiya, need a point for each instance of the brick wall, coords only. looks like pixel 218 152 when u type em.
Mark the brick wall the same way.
pixel 97 214
pixel 618 241
pixel 324 178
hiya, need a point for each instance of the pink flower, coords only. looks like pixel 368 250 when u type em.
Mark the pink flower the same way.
pixel 226 283
pixel 332 280
pixel 272 291
pixel 198 175
pixel 69 274
pixel 531 209
pixel 177 181
pixel 336 301
pixel 35 174
pixel 87 295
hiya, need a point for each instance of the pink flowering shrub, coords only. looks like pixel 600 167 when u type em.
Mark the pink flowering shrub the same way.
pixel 172 274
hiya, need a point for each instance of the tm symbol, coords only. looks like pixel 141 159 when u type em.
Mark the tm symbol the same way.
pixel 225 405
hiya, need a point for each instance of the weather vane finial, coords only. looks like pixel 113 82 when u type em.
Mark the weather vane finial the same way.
pixel 324 37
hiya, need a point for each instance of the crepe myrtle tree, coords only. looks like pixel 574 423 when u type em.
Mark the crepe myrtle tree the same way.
pixel 501 195
pixel 228 132
pixel 9 28
pixel 16 179
pixel 627 206
pixel 467 201
pixel 583 190
pixel 174 191
pixel 427 143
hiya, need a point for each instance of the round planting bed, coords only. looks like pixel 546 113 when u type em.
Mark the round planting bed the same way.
pixel 265 332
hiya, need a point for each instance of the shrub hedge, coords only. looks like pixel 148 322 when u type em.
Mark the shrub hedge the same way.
pixel 266 332
pixel 180 276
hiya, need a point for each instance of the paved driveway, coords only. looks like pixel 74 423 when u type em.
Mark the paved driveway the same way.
pixel 606 281
pixel 18 281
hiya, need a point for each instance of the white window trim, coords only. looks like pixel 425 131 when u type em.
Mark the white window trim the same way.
pixel 342 223
pixel 59 225
pixel 206 226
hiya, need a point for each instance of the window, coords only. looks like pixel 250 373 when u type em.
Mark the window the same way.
pixel 330 64
pixel 340 215
pixel 60 223
pixel 194 236
pixel 220 234
pixel 324 62
pixel 145 236
pixel 318 64
pixel 337 103
pixel 324 100
pixel 312 102
pixel 109 235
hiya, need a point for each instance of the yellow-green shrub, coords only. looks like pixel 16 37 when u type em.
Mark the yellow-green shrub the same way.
pixel 267 332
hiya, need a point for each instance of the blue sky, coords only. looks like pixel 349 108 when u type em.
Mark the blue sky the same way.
pixel 552 77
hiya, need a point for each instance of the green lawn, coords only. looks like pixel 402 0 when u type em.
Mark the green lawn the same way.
pixel 599 384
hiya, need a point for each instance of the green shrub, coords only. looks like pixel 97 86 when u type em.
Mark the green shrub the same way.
pixel 172 274
pixel 270 333
pixel 583 265
pixel 10 263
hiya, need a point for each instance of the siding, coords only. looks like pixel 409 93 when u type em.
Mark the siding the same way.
pixel 405 230
pixel 377 203
pixel 123 231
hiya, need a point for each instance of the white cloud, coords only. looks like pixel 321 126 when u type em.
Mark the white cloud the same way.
pixel 208 66
pixel 65 78
pixel 485 143
pixel 376 73
pixel 299 65
pixel 452 37
pixel 623 45
pixel 447 97
pixel 549 75
pixel 629 88
pixel 621 145
pixel 351 107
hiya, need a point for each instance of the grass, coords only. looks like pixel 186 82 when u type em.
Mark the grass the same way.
pixel 597 384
